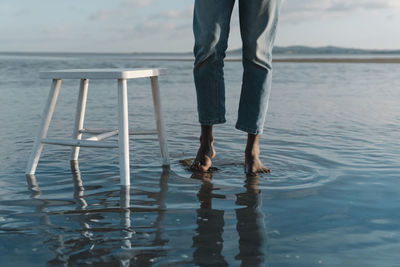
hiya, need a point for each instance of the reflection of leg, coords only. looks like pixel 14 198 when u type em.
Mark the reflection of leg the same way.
pixel 44 126
pixel 258 21
pixel 250 226
pixel 208 241
pixel 79 190
pixel 47 229
pixel 125 217
pixel 141 258
pixel 78 186
pixel 160 201
pixel 211 29
pixel 80 116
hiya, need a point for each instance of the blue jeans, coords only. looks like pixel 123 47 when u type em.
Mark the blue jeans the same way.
pixel 211 24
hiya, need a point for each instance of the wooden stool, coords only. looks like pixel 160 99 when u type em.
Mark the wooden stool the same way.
pixel 122 75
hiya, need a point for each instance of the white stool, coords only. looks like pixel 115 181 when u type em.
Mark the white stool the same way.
pixel 122 75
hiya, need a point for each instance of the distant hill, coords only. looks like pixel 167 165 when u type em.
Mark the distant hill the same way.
pixel 279 50
pixel 326 50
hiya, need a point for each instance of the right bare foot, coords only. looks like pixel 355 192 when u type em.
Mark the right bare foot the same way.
pixel 206 151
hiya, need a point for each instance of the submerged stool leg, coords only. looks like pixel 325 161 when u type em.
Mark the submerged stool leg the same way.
pixel 80 116
pixel 162 137
pixel 123 132
pixel 44 126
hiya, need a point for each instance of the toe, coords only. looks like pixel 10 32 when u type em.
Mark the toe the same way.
pixel 203 168
pixel 206 166
pixel 195 166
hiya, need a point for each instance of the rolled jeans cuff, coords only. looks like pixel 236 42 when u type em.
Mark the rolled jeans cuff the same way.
pixel 249 130
pixel 212 122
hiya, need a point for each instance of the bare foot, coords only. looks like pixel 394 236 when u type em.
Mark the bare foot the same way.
pixel 252 163
pixel 206 151
pixel 204 156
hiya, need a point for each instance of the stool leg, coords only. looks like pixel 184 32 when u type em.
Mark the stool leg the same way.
pixel 80 116
pixel 123 132
pixel 162 137
pixel 44 126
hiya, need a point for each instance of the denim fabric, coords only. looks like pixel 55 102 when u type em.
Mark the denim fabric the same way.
pixel 211 25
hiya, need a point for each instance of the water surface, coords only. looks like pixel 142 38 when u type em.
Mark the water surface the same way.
pixel 331 140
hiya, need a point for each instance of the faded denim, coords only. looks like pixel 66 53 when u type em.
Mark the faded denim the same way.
pixel 211 25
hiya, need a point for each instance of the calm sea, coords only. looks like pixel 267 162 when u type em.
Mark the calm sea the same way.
pixel 332 199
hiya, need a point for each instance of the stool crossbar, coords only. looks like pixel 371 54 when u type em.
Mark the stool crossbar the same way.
pixel 123 132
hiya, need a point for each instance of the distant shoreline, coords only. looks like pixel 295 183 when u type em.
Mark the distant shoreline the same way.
pixel 299 60
pixel 340 60
pixel 278 58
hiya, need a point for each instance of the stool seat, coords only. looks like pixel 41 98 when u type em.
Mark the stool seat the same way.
pixel 99 74
pixel 123 131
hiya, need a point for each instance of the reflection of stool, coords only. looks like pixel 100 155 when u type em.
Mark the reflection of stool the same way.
pixel 122 75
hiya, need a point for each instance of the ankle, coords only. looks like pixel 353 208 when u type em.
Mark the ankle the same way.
pixel 206 140
pixel 252 152
pixel 206 135
pixel 252 146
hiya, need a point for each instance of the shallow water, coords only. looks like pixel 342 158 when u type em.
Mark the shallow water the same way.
pixel 331 140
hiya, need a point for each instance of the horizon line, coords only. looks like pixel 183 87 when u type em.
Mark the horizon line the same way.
pixel 189 52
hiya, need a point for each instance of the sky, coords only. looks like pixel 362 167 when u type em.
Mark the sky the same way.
pixel 166 25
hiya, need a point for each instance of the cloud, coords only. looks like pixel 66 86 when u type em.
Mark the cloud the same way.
pixel 145 25
pixel 54 31
pixel 125 8
pixel 152 27
pixel 175 14
pixel 103 15
pixel 293 10
pixel 22 12
pixel 171 23
pixel 342 6
pixel 137 3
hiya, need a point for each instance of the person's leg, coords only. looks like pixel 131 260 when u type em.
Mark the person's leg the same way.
pixel 258 22
pixel 211 30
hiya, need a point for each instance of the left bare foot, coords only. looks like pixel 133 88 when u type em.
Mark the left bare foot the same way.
pixel 252 163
